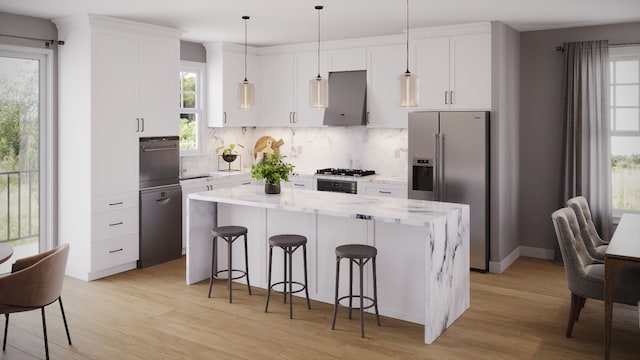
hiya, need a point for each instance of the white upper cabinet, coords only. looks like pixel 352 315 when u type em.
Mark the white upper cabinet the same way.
pixel 385 64
pixel 158 84
pixel 225 69
pixel 277 88
pixel 347 59
pixel 285 89
pixel 454 72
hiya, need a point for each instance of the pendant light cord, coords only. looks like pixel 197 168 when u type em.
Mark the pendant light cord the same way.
pixel 319 7
pixel 245 46
pixel 408 37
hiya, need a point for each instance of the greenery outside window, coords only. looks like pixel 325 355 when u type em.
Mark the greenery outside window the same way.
pixel 192 109
pixel 625 128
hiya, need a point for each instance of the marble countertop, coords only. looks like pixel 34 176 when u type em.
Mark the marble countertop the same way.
pixel 401 211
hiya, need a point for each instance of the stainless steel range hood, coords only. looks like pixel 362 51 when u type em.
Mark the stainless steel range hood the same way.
pixel 347 99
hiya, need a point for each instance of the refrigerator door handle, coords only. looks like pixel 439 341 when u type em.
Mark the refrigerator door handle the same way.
pixel 436 178
pixel 441 159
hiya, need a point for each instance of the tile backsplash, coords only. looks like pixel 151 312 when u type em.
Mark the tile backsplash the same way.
pixel 309 149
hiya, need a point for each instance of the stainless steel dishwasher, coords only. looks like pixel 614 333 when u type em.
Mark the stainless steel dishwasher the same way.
pixel 160 225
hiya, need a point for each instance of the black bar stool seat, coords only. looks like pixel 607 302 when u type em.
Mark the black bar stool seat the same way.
pixel 358 254
pixel 289 243
pixel 228 234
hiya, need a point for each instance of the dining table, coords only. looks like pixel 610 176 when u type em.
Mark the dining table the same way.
pixel 623 251
pixel 6 252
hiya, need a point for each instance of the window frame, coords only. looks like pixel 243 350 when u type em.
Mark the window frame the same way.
pixel 617 53
pixel 200 110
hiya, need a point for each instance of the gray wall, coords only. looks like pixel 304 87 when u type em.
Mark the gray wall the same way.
pixel 505 86
pixel 26 26
pixel 541 124
pixel 191 51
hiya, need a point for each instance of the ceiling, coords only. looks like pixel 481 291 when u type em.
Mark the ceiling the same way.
pixel 276 22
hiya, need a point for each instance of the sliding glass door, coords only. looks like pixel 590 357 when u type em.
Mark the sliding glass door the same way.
pixel 24 107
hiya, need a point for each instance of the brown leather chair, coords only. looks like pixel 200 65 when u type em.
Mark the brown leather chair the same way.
pixel 595 246
pixel 585 276
pixel 34 282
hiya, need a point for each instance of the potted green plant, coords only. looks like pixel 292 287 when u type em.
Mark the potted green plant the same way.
pixel 229 154
pixel 273 170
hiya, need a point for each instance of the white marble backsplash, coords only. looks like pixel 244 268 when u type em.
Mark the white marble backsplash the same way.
pixel 309 149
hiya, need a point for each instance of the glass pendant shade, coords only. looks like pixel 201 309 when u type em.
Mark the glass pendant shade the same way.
pixel 408 90
pixel 318 92
pixel 246 95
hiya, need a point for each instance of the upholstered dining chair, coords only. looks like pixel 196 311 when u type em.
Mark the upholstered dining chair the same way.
pixel 595 246
pixel 34 282
pixel 585 276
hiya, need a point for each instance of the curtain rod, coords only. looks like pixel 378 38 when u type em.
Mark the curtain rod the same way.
pixel 561 49
pixel 47 42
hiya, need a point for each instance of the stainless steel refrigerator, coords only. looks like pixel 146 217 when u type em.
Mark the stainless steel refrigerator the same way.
pixel 449 161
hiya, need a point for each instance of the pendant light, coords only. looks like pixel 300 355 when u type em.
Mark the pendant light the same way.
pixel 246 89
pixel 408 82
pixel 318 87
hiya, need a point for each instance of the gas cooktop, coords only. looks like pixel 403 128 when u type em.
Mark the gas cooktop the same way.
pixel 345 172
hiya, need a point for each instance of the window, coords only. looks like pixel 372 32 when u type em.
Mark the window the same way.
pixel 192 114
pixel 625 128
pixel 26 193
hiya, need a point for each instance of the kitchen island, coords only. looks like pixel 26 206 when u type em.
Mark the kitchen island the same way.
pixel 423 246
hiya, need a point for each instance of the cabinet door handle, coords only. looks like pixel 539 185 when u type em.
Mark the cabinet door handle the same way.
pixel 451 97
pixel 116 203
pixel 115 251
pixel 290 120
pixel 294 118
pixel 246 183
pixel 137 124
pixel 367 118
pixel 301 185
pixel 224 117
pixel 384 192
pixel 445 98
pixel 116 224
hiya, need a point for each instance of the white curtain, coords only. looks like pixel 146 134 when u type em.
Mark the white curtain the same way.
pixel 586 151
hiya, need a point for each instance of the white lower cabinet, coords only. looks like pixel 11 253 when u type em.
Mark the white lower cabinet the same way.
pixel 301 182
pixel 383 190
pixel 114 252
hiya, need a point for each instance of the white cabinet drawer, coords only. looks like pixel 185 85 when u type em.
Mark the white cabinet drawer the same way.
pixel 114 224
pixel 114 252
pixel 394 191
pixel 114 202
pixel 302 183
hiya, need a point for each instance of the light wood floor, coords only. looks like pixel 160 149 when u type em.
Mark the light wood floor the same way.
pixel 152 314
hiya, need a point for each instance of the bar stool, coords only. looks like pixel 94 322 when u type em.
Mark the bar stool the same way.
pixel 359 255
pixel 289 244
pixel 228 234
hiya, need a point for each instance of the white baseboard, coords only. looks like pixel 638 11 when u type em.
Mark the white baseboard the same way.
pixel 498 267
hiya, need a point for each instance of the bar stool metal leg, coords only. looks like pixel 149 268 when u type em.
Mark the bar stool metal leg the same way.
pixel 213 264
pixel 350 286
pixel 306 287
pixel 284 276
pixel 266 307
pixel 335 306
pixel 375 290
pixel 229 253
pixel 289 251
pixel 360 266
pixel 246 263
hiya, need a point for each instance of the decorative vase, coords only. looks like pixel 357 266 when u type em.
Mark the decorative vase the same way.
pixel 271 189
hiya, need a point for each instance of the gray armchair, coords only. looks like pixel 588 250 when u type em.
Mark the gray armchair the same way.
pixel 585 277
pixel 34 283
pixel 595 246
